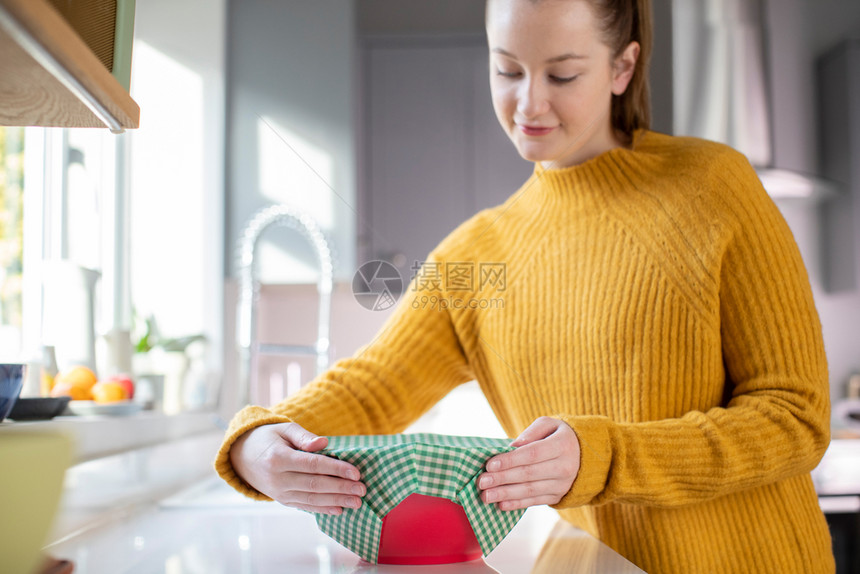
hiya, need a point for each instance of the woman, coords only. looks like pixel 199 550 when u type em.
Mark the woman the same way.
pixel 658 355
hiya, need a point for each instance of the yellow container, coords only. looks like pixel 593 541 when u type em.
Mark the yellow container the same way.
pixel 31 483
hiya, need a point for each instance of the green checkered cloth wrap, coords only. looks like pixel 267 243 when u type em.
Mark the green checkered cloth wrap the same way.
pixel 394 466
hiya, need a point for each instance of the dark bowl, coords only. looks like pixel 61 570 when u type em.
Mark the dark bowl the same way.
pixel 11 380
pixel 38 409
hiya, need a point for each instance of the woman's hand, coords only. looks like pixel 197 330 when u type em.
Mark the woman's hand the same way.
pixel 540 471
pixel 277 460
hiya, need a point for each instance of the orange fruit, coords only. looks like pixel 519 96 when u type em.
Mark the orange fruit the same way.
pixel 67 390
pixel 77 376
pixel 108 392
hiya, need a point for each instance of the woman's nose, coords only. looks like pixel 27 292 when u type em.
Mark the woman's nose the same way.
pixel 532 99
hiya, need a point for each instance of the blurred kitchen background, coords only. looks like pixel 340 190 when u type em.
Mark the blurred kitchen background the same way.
pixel 373 118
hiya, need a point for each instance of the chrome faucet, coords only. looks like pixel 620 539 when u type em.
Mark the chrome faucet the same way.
pixel 249 294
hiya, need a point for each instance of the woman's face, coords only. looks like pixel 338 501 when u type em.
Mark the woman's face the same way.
pixel 552 79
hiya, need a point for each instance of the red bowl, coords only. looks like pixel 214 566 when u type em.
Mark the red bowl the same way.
pixel 427 530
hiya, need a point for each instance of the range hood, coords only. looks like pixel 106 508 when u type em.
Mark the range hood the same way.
pixel 721 90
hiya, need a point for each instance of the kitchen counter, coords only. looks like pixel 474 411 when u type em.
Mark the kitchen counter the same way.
pixel 837 477
pixel 158 508
pixel 97 437
pixel 211 529
pixel 135 512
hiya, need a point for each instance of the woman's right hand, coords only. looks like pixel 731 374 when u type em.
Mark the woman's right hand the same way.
pixel 278 461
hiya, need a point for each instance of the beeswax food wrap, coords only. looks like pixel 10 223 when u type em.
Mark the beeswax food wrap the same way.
pixel 394 466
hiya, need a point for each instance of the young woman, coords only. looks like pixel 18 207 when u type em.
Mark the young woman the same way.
pixel 658 355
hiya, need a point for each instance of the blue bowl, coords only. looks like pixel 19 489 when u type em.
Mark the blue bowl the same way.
pixel 11 380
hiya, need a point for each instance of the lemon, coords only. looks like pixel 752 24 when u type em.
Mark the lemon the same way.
pixel 108 392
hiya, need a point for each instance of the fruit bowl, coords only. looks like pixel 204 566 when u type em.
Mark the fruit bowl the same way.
pixel 116 409
pixel 11 380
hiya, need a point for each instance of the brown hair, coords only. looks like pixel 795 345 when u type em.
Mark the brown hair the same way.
pixel 625 21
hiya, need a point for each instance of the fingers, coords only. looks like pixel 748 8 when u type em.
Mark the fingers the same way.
pixel 317 483
pixel 513 496
pixel 280 461
pixel 528 473
pixel 318 502
pixel 301 438
pixel 317 492
pixel 544 483
pixel 324 484
pixel 530 454
pixel 540 470
pixel 545 439
pixel 333 510
pixel 527 502
pixel 310 463
pixel 541 428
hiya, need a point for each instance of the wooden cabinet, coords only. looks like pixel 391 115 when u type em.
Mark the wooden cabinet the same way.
pixel 435 152
pixel 49 77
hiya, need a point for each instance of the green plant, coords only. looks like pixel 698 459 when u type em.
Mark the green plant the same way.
pixel 150 338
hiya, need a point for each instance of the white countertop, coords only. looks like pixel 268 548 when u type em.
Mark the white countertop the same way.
pixel 96 437
pixel 115 517
pixel 120 512
pixel 210 529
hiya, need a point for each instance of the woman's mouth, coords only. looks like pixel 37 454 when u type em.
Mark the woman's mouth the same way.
pixel 535 130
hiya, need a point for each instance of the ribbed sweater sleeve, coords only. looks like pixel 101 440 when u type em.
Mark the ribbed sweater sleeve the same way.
pixel 774 421
pixel 413 361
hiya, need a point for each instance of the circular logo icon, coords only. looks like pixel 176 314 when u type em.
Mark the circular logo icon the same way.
pixel 377 285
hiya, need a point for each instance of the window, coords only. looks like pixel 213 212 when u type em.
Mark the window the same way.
pixel 140 216
pixel 70 252
pixel 57 214
pixel 11 240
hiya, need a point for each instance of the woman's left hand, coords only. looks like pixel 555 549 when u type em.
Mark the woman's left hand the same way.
pixel 540 471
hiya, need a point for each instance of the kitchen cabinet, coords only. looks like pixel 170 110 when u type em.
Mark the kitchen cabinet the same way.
pixel 435 152
pixel 50 77
pixel 839 111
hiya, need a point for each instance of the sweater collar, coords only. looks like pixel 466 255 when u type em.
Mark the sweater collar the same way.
pixel 583 183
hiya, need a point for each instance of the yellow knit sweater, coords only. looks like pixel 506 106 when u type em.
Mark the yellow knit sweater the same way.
pixel 655 300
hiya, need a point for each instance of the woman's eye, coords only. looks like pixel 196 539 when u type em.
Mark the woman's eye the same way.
pixel 554 79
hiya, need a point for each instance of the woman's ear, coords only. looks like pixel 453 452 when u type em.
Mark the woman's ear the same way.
pixel 623 68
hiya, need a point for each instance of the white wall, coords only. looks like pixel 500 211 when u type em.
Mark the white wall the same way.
pixel 291 128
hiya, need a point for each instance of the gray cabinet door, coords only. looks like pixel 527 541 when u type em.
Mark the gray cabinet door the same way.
pixel 435 153
pixel 498 168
